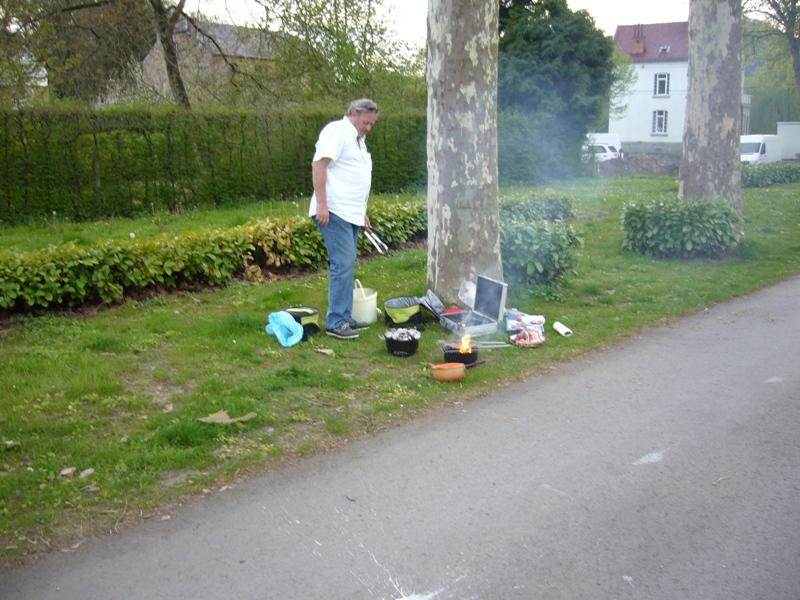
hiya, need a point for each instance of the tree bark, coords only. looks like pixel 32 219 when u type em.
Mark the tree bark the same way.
pixel 710 166
pixel 166 18
pixel 463 219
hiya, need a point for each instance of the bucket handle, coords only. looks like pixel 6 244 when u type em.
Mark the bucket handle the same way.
pixel 358 285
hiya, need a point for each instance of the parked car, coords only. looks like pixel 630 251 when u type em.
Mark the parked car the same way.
pixel 600 152
pixel 609 139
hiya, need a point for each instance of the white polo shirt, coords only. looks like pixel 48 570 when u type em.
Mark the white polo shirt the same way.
pixel 349 172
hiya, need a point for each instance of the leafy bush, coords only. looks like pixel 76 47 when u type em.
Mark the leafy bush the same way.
pixel 539 252
pixel 70 275
pixel 770 174
pixel 538 244
pixel 670 228
pixel 548 205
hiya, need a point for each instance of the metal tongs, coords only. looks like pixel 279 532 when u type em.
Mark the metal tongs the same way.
pixel 380 246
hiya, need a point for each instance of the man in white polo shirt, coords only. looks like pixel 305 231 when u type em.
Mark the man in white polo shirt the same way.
pixel 341 172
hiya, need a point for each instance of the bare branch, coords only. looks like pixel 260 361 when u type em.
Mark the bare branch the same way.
pixel 235 70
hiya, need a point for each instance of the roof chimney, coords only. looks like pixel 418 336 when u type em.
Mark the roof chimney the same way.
pixel 638 48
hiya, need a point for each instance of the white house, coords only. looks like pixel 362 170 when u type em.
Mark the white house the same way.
pixel 656 102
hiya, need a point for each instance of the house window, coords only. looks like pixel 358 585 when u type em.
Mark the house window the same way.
pixel 660 122
pixel 661 84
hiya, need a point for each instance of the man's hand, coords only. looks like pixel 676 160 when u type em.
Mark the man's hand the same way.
pixel 367 224
pixel 323 216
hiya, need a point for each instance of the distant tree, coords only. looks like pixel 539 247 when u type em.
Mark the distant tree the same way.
pixel 785 16
pixel 85 44
pixel 86 48
pixel 553 60
pixel 554 80
pixel 769 77
pixel 710 167
pixel 463 220
pixel 336 49
pixel 18 66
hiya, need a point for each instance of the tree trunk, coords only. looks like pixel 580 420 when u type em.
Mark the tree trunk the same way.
pixel 166 19
pixel 710 167
pixel 794 51
pixel 463 220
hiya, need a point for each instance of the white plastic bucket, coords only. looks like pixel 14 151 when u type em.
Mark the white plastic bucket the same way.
pixel 365 304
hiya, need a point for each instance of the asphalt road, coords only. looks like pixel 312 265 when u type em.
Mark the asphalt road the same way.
pixel 667 467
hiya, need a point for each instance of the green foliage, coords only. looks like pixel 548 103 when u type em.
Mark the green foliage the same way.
pixel 83 164
pixel 769 76
pixel 547 205
pixel 556 65
pixel 336 50
pixel 535 148
pixel 70 275
pixel 672 228
pixel 770 174
pixel 538 244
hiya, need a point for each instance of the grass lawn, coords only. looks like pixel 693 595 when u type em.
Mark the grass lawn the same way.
pixel 98 412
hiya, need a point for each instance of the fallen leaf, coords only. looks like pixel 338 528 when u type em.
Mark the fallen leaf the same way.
pixel 326 351
pixel 223 418
pixel 86 473
pixel 67 472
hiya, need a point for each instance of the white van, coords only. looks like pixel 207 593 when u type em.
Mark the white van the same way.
pixel 760 149
pixel 608 139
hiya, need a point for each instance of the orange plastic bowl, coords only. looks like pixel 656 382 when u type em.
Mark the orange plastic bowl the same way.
pixel 451 371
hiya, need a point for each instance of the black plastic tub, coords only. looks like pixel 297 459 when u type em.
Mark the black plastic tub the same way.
pixel 402 347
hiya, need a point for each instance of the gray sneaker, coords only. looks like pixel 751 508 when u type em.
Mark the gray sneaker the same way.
pixel 342 332
pixel 356 325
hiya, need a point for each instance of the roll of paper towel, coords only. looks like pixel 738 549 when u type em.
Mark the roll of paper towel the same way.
pixel 562 329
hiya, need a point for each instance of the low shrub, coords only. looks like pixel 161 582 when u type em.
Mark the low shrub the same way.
pixel 548 205
pixel 539 252
pixel 71 275
pixel 770 174
pixel 672 228
pixel 538 244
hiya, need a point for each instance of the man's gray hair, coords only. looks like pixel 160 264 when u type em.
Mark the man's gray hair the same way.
pixel 362 105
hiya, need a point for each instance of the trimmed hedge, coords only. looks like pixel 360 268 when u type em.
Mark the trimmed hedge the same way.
pixel 84 164
pixel 675 228
pixel 535 250
pixel 770 174
pixel 69 275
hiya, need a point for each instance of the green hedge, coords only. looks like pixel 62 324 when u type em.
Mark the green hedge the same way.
pixel 538 243
pixel 770 174
pixel 535 250
pixel 69 275
pixel 83 164
pixel 673 228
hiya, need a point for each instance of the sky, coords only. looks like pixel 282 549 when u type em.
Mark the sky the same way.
pixel 406 18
